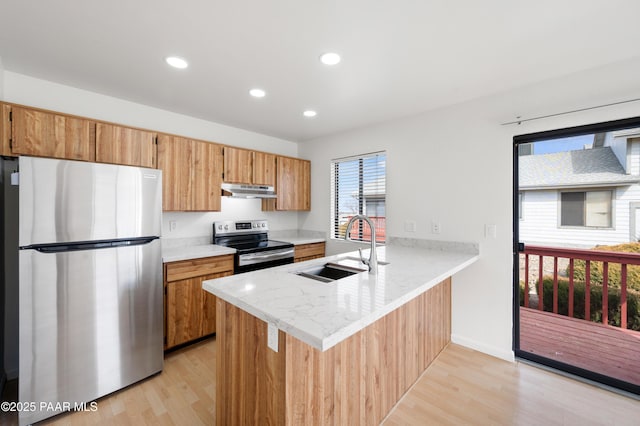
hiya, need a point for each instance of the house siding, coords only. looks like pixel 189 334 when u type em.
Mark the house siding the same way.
pixel 619 148
pixel 540 223
pixel 634 157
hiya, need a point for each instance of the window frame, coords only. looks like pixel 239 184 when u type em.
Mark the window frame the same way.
pixel 335 212
pixel 611 191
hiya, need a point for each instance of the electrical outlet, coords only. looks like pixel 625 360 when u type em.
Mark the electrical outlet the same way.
pixel 490 231
pixel 172 225
pixel 435 227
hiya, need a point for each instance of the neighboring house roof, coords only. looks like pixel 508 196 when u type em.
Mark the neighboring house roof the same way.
pixel 571 169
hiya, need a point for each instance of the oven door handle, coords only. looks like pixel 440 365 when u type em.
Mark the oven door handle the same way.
pixel 270 255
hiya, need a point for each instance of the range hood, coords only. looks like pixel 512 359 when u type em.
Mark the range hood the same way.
pixel 238 190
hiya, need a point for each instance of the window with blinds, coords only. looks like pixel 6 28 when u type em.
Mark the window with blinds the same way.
pixel 358 186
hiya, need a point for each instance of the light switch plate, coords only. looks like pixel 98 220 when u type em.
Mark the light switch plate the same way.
pixel 272 337
pixel 490 231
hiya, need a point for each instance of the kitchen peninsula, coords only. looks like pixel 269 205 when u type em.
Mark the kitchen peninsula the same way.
pixel 346 350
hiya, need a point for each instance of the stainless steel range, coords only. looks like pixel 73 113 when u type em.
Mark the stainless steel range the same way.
pixel 254 249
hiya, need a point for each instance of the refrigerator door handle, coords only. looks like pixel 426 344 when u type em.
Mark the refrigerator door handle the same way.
pixel 91 245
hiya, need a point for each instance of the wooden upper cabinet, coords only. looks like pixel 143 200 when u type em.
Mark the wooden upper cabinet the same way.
pixel 191 174
pixel 124 145
pixel 264 168
pixel 249 167
pixel 293 185
pixel 206 176
pixel 238 165
pixel 5 130
pixel 46 134
pixel 174 159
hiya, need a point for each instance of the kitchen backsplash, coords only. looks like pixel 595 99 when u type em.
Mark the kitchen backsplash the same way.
pixel 199 224
pixel 296 233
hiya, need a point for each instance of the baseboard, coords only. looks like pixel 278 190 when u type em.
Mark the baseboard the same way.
pixel 481 347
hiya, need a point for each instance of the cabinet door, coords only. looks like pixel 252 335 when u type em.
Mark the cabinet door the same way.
pixel 175 159
pixel 206 176
pixel 308 251
pixel 264 168
pixel 190 310
pixel 238 165
pixel 45 134
pixel 293 184
pixel 184 311
pixel 5 130
pixel 123 145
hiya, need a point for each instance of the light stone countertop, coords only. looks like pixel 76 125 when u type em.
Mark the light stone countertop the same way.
pixel 323 315
pixel 175 249
pixel 298 236
pixel 301 240
pixel 174 254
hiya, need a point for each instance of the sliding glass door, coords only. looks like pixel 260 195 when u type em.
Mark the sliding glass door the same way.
pixel 576 251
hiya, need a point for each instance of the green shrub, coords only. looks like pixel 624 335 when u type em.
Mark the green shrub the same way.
pixel 633 271
pixel 633 302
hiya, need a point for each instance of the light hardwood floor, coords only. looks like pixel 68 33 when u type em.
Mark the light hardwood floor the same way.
pixel 461 387
pixel 465 387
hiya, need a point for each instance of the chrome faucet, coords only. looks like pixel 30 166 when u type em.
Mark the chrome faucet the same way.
pixel 372 263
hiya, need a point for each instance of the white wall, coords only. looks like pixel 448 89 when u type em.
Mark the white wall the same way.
pixel 1 80
pixel 454 166
pixel 25 90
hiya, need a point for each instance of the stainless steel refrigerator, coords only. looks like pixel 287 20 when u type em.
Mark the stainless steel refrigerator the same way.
pixel 90 297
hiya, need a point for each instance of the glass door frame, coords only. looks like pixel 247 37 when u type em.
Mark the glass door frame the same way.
pixel 518 140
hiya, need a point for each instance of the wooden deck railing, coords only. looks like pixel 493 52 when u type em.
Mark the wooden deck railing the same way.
pixel 606 257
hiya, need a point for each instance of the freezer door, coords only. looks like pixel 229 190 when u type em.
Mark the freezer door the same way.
pixel 65 201
pixel 91 322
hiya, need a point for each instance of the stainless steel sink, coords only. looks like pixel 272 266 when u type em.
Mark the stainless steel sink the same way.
pixel 329 272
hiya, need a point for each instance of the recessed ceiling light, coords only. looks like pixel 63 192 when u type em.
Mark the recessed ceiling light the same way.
pixel 309 113
pixel 330 58
pixel 176 62
pixel 257 93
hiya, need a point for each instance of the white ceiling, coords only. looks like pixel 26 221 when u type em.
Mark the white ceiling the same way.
pixel 400 57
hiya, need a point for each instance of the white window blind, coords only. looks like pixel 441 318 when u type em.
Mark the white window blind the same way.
pixel 358 186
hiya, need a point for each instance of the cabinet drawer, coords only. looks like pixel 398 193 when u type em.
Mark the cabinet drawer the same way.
pixel 309 250
pixel 184 269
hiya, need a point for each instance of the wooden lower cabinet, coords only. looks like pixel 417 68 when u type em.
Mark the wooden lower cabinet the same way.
pixel 310 251
pixel 190 311
pixel 356 382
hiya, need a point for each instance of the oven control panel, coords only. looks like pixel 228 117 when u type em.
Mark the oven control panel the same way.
pixel 227 227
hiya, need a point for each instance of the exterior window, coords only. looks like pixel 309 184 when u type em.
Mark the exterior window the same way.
pixel 590 209
pixel 358 186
